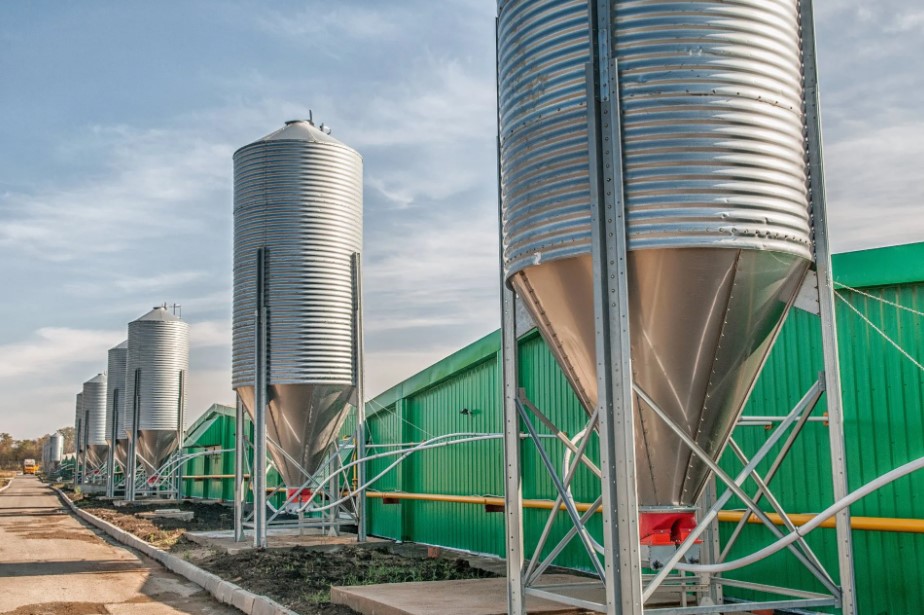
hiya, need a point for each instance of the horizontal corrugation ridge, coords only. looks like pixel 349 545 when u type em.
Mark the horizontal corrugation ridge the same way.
pixel 713 135
pixel 302 200
pixel 160 349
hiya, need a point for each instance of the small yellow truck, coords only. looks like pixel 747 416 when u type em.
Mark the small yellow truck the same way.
pixel 29 466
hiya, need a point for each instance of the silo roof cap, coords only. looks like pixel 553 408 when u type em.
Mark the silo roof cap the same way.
pixel 301 130
pixel 98 378
pixel 160 313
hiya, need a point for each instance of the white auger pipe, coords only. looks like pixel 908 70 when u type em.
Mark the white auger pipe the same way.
pixel 404 455
pixel 790 538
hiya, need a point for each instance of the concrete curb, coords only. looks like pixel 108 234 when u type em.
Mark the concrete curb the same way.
pixel 7 486
pixel 223 591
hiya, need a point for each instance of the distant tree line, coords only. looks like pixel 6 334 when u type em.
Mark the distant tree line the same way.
pixel 12 451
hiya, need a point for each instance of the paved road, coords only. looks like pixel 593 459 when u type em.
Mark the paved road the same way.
pixel 52 564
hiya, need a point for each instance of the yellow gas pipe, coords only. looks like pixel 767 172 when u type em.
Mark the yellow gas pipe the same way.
pixel 875 524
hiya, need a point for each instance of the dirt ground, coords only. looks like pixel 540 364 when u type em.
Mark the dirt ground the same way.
pixel 299 578
pixel 167 534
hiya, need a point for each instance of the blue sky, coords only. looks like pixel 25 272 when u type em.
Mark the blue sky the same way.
pixel 119 121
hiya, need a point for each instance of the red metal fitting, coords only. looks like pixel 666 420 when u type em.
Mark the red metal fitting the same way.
pixel 665 528
pixel 299 496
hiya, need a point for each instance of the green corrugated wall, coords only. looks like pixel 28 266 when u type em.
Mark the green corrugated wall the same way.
pixel 883 393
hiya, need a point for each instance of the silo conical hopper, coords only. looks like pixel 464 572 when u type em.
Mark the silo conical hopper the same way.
pixel 298 194
pixel 716 203
pixel 115 401
pixel 158 359
pixel 94 408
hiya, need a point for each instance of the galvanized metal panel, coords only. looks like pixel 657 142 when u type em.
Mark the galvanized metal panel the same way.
pixel 115 390
pixel 714 174
pixel 711 97
pixel 297 195
pixel 158 358
pixel 94 407
pixel 297 192
pixel 158 346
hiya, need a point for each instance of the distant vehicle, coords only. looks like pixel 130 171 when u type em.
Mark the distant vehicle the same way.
pixel 29 466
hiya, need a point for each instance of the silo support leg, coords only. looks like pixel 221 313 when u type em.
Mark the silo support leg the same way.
pixel 239 453
pixel 513 492
pixel 826 309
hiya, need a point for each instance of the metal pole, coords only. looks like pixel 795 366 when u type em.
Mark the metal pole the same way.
pixel 258 480
pixel 239 453
pixel 623 566
pixel 334 495
pixel 181 433
pixel 509 362
pixel 826 307
pixel 131 458
pixel 513 491
pixel 110 458
pixel 712 545
pixel 77 440
pixel 361 520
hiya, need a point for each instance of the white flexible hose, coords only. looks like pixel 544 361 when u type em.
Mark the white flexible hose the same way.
pixel 826 514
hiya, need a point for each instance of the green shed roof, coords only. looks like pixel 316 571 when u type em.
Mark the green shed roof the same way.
pixel 880 266
pixel 195 431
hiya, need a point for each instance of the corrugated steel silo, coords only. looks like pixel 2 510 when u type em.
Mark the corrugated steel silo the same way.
pixel 56 448
pixel 716 200
pixel 155 383
pixel 298 194
pixel 94 408
pixel 115 400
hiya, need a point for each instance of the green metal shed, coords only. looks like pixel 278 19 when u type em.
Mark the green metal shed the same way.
pixel 449 496
pixel 883 388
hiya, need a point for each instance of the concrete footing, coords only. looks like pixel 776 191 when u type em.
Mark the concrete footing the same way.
pixel 468 597
pixel 280 538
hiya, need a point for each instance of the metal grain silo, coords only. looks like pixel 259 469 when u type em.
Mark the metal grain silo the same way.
pixel 298 197
pixel 115 401
pixel 55 448
pixel 155 384
pixel 94 408
pixel 714 168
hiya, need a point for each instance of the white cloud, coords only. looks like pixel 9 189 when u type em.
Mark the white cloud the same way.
pixel 155 180
pixel 50 349
pixel 322 26
pixel 207 387
pixel 875 193
pixel 909 21
pixel 210 334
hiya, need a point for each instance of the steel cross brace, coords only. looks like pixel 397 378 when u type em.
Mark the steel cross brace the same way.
pixel 562 491
pixel 734 485
pixel 532 573
pixel 764 490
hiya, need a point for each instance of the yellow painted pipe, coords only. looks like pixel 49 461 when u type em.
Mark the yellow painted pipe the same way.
pixel 211 476
pixel 874 524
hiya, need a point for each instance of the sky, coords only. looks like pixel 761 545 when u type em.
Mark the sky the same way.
pixel 118 122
